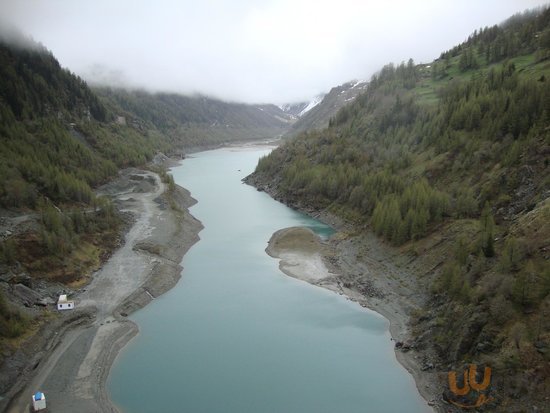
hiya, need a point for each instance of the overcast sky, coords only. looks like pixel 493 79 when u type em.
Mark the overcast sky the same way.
pixel 272 51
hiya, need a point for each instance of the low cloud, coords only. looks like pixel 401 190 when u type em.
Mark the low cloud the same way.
pixel 243 50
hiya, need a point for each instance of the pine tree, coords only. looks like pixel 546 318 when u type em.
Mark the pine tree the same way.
pixel 8 251
pixel 461 250
pixel 487 224
pixel 511 255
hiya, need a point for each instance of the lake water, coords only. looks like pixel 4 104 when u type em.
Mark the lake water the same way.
pixel 238 336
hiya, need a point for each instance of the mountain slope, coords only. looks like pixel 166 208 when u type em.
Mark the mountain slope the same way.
pixel 318 112
pixel 196 121
pixel 450 163
pixel 58 142
pixel 54 127
pixel 61 139
pixel 295 109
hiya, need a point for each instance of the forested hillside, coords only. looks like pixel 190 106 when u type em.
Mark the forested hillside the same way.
pixel 197 120
pixel 60 140
pixel 454 154
pixel 57 136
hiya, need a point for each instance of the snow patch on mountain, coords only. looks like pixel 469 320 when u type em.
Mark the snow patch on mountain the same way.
pixel 314 102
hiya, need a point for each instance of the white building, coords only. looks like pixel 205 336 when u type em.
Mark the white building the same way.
pixel 38 401
pixel 64 304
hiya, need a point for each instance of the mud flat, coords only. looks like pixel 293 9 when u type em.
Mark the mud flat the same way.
pixel 74 354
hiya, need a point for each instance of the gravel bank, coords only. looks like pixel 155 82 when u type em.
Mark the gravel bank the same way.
pixel 76 357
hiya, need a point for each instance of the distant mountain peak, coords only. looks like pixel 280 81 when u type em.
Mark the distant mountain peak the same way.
pixel 299 109
pixel 314 102
pixel 317 113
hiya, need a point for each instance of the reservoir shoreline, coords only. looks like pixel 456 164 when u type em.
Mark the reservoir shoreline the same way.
pixel 84 351
pixel 75 352
pixel 272 316
pixel 305 256
pixel 371 273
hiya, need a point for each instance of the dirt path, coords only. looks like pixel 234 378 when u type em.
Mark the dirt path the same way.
pixel 73 375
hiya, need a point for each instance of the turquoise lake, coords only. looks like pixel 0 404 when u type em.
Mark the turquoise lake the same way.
pixel 236 335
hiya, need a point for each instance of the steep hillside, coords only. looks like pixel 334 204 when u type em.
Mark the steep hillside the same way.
pixel 198 120
pixel 61 140
pixel 295 109
pixel 317 114
pixel 54 128
pixel 449 162
pixel 58 142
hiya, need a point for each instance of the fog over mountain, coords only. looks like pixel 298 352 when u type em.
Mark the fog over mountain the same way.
pixel 248 51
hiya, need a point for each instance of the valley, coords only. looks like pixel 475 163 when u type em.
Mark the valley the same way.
pixel 421 194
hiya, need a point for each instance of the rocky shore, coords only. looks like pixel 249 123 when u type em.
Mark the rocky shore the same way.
pixel 70 357
pixel 373 283
pixel 377 276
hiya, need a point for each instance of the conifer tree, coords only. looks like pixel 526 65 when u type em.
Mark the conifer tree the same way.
pixel 487 224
